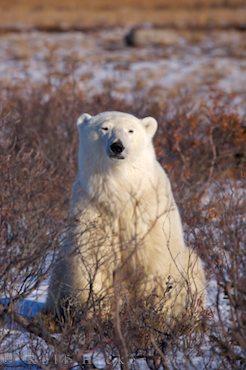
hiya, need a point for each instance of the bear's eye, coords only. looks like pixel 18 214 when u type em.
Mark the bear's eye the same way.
pixel 105 128
pixel 131 131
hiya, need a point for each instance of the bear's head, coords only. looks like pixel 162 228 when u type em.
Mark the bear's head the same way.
pixel 112 138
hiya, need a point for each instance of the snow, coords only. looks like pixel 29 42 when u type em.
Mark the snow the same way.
pixel 230 192
pixel 96 65
pixel 18 344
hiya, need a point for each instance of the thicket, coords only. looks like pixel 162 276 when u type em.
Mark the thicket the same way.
pixel 203 152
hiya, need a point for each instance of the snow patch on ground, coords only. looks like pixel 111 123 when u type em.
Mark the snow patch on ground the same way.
pixel 17 348
pixel 101 62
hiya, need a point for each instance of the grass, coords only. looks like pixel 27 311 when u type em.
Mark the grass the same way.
pixel 80 14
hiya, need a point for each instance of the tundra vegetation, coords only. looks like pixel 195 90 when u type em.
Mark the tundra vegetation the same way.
pixel 204 156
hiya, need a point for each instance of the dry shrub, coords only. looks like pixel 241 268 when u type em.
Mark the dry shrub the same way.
pixel 203 153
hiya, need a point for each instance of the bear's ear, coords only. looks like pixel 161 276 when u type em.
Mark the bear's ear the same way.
pixel 83 118
pixel 150 125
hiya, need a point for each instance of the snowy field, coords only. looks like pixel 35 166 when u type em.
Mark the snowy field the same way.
pixel 96 62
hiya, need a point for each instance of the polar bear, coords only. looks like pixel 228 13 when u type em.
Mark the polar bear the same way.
pixel 125 229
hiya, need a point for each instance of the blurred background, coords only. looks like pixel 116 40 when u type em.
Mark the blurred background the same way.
pixel 128 49
pixel 67 15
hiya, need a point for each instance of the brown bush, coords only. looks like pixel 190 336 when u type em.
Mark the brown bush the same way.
pixel 203 152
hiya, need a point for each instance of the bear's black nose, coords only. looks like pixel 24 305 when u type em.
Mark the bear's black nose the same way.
pixel 117 147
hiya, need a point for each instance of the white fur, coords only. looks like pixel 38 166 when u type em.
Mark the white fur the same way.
pixel 124 221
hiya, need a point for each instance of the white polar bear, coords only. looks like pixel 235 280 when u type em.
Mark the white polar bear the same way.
pixel 125 228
